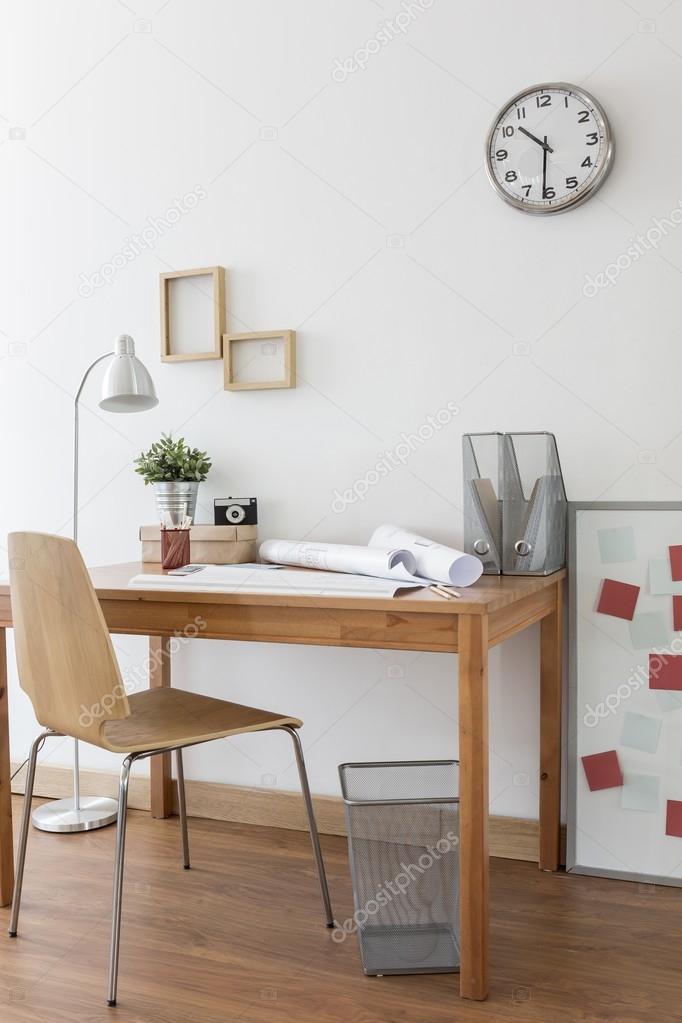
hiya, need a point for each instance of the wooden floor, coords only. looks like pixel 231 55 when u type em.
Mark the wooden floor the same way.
pixel 241 937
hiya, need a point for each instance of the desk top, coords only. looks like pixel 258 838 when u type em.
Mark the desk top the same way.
pixel 490 593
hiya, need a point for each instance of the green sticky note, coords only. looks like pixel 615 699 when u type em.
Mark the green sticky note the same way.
pixel 640 792
pixel 641 732
pixel 660 578
pixel 668 699
pixel 649 630
pixel 616 544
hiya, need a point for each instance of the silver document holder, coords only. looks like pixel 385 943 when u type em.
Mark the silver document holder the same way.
pixel 534 505
pixel 482 455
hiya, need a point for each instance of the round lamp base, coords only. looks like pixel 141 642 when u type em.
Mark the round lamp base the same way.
pixel 60 815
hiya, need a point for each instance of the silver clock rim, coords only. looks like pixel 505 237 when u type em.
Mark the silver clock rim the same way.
pixel 594 185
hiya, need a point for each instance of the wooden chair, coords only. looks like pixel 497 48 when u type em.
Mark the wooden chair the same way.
pixel 68 668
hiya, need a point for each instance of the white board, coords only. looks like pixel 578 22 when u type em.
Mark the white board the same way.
pixel 615 715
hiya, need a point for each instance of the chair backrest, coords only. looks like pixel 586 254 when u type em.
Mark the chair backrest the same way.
pixel 66 661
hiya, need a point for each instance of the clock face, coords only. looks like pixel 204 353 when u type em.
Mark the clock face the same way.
pixel 549 148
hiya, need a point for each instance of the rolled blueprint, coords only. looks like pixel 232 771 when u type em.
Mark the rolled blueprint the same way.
pixel 433 560
pixel 338 557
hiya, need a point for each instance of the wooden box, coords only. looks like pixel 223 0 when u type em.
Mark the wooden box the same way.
pixel 209 545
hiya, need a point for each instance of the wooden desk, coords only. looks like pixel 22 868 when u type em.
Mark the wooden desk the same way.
pixel 488 613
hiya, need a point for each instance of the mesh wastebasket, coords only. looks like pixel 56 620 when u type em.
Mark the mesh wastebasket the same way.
pixel 403 841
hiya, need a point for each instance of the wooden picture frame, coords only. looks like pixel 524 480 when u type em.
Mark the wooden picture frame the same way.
pixel 217 275
pixel 288 337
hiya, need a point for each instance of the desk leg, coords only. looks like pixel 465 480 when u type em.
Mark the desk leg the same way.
pixel 161 785
pixel 473 773
pixel 551 654
pixel 6 849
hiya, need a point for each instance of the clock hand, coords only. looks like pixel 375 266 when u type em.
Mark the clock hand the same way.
pixel 535 139
pixel 544 167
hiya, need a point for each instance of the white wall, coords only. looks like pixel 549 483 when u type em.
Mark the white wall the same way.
pixel 358 213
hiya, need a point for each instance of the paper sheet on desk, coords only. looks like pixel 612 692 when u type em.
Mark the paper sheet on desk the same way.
pixel 236 579
pixel 387 562
pixel 433 560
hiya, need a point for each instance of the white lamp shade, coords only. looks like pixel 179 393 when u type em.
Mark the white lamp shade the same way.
pixel 127 385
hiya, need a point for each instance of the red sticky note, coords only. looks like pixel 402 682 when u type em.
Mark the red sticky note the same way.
pixel 618 599
pixel 676 562
pixel 677 614
pixel 673 818
pixel 665 672
pixel 602 770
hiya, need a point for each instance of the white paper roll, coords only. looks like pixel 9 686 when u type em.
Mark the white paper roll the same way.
pixel 433 560
pixel 338 557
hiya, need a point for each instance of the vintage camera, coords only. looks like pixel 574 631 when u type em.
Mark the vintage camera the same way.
pixel 235 511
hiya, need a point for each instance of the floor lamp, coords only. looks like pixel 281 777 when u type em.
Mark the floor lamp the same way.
pixel 127 387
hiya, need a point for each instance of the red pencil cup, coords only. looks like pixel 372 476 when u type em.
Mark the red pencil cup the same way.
pixel 174 548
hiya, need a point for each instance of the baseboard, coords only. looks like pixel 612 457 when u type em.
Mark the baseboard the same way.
pixel 512 838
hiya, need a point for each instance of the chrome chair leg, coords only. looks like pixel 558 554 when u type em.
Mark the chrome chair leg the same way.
pixel 314 837
pixel 182 808
pixel 118 878
pixel 23 836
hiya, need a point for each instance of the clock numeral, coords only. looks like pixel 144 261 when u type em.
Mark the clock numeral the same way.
pixel 587 162
pixel 507 131
pixel 548 193
pixel 566 102
pixel 583 116
pixel 510 176
pixel 520 113
pixel 526 189
pixel 543 101
pixel 571 182
pixel 501 154
pixel 592 138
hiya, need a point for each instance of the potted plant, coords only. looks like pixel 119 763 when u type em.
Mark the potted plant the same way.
pixel 175 471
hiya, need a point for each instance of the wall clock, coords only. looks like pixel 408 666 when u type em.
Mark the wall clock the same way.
pixel 549 148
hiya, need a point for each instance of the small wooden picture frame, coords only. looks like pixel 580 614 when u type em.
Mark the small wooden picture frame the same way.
pixel 208 316
pixel 268 339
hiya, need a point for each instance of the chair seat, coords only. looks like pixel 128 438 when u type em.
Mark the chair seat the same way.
pixel 163 718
